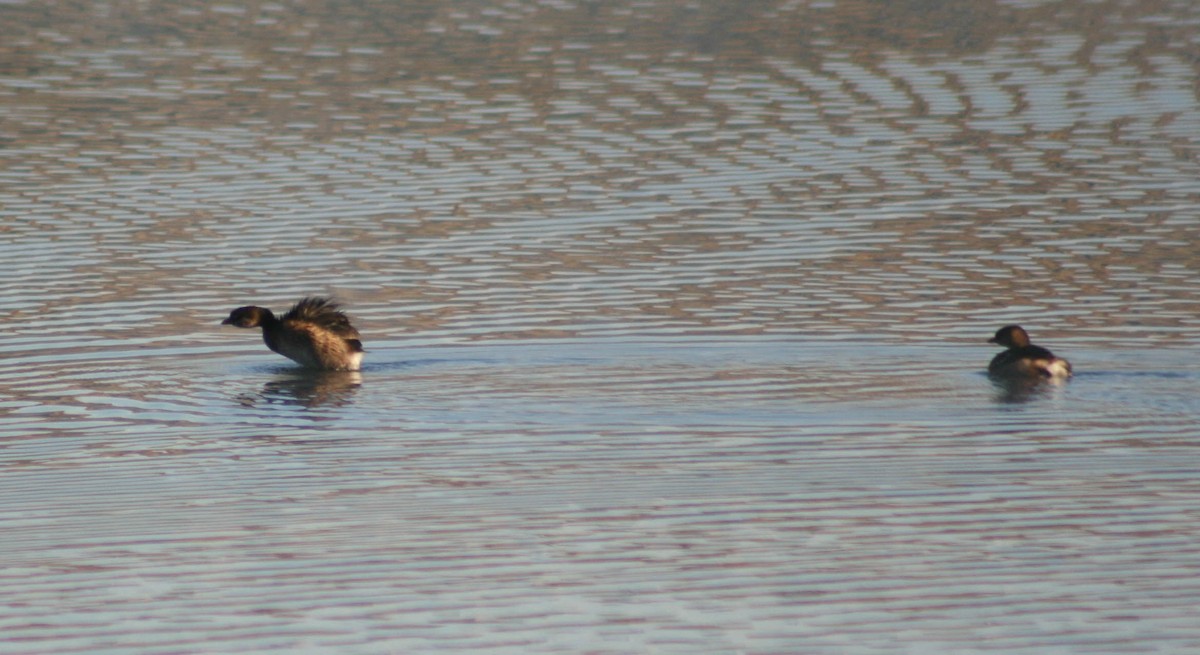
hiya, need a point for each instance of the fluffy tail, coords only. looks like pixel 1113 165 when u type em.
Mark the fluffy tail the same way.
pixel 323 312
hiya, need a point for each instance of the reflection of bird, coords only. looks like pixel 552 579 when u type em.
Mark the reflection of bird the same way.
pixel 1023 359
pixel 313 333
pixel 311 389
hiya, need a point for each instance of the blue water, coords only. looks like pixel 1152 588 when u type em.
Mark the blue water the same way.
pixel 675 326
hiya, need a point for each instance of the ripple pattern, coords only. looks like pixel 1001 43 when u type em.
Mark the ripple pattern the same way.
pixel 674 316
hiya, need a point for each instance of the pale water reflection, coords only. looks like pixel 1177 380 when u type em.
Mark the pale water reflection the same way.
pixel 731 494
pixel 675 318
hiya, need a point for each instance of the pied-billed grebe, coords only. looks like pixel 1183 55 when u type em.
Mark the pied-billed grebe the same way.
pixel 1023 359
pixel 313 333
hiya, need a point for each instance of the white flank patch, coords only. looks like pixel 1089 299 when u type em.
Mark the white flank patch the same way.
pixel 1058 369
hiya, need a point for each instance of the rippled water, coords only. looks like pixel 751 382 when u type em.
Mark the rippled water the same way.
pixel 675 317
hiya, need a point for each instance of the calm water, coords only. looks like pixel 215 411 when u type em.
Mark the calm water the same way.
pixel 675 316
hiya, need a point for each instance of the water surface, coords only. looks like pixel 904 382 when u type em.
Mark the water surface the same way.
pixel 675 319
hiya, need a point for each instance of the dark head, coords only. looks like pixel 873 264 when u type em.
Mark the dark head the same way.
pixel 249 317
pixel 1011 336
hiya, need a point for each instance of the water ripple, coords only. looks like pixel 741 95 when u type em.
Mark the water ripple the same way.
pixel 674 319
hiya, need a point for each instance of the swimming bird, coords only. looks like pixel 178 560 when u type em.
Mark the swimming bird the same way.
pixel 1023 360
pixel 313 333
